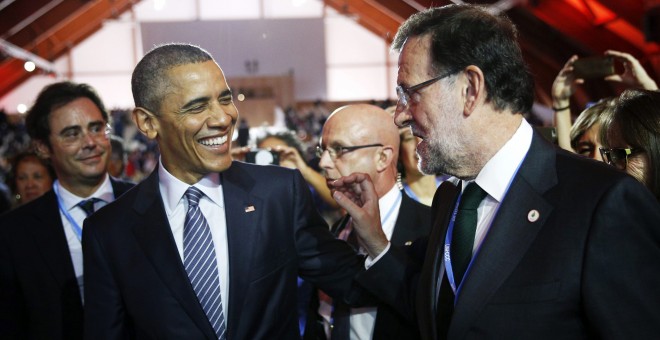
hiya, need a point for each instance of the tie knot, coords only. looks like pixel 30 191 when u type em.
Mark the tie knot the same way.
pixel 193 195
pixel 472 196
pixel 88 205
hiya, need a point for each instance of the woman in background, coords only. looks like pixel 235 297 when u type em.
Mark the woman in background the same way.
pixel 30 177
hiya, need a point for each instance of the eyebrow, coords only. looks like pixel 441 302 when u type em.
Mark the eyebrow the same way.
pixel 201 100
pixel 78 127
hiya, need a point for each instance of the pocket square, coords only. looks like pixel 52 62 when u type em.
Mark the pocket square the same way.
pixel 249 208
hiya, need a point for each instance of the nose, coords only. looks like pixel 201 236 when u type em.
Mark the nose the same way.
pixel 402 116
pixel 222 115
pixel 326 162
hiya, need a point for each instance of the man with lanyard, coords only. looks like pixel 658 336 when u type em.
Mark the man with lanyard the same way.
pixel 531 242
pixel 363 138
pixel 41 266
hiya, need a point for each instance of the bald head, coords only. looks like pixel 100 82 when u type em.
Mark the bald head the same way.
pixel 362 125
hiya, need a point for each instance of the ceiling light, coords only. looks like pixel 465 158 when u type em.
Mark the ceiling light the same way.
pixel 29 66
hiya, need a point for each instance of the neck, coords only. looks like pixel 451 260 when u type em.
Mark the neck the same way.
pixel 82 189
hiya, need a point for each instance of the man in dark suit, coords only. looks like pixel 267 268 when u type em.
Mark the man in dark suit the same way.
pixel 41 266
pixel 257 224
pixel 543 244
pixel 363 138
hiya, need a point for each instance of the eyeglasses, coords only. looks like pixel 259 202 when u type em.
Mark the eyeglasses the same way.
pixel 338 151
pixel 618 157
pixel 75 135
pixel 405 93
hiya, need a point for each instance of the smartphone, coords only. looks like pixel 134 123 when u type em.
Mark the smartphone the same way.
pixel 593 67
pixel 262 157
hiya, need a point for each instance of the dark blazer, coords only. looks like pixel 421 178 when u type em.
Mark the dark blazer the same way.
pixel 39 294
pixel 413 222
pixel 587 268
pixel 136 285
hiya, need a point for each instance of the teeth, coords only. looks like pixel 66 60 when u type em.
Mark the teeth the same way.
pixel 214 141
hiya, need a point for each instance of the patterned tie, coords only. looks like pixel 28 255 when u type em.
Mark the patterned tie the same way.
pixel 88 205
pixel 464 230
pixel 200 262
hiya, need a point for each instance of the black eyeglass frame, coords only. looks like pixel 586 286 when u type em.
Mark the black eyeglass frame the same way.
pixel 405 93
pixel 609 156
pixel 342 150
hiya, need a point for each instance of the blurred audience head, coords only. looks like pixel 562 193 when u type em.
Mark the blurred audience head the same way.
pixel 630 135
pixel 30 177
pixel 585 132
pixel 117 161
pixel 360 138
pixel 283 138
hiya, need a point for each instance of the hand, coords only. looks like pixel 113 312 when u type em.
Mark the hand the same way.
pixel 564 85
pixel 289 157
pixel 357 194
pixel 634 74
pixel 239 153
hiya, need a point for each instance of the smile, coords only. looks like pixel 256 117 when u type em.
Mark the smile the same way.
pixel 215 141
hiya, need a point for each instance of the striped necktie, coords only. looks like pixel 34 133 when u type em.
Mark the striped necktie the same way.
pixel 200 262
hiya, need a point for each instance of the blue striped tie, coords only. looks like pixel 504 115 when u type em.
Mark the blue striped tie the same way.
pixel 200 262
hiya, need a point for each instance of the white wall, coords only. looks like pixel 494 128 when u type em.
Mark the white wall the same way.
pixel 356 60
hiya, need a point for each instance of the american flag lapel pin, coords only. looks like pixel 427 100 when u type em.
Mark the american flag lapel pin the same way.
pixel 249 208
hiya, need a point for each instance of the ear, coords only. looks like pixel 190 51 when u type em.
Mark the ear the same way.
pixel 384 158
pixel 474 89
pixel 146 122
pixel 42 150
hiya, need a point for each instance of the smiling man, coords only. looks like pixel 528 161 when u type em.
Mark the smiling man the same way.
pixel 41 265
pixel 204 248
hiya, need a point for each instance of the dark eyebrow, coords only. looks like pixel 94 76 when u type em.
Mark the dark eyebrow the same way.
pixel 194 102
pixel 225 93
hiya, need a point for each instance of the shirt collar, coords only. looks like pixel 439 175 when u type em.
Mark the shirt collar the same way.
pixel 497 174
pixel 172 189
pixel 385 203
pixel 70 200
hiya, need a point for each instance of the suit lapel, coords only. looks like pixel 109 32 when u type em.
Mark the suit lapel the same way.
pixel 405 229
pixel 433 267
pixel 243 213
pixel 51 241
pixel 510 235
pixel 155 236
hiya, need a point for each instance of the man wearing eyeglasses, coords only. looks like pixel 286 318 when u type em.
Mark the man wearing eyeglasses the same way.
pixel 363 138
pixel 531 242
pixel 41 269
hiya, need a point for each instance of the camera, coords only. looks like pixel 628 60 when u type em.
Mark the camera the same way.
pixel 262 157
pixel 593 67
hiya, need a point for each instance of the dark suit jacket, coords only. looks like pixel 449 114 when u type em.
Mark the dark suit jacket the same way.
pixel 39 295
pixel 136 285
pixel 587 268
pixel 413 222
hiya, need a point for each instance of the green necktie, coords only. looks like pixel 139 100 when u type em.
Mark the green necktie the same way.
pixel 464 230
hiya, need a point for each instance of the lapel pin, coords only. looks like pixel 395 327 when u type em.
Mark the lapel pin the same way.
pixel 408 243
pixel 533 215
pixel 249 208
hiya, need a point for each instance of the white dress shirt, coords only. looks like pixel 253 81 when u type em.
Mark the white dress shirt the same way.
pixel 212 204
pixel 68 206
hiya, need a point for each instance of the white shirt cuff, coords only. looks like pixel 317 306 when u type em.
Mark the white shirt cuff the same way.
pixel 370 262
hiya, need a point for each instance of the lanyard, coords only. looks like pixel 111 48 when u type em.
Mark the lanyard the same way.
pixel 76 228
pixel 447 252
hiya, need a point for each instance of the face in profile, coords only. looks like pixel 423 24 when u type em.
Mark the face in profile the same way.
pixel 195 123
pixel 79 144
pixel 588 145
pixel 32 179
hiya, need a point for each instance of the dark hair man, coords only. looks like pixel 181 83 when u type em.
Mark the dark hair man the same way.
pixel 543 244
pixel 41 265
pixel 204 247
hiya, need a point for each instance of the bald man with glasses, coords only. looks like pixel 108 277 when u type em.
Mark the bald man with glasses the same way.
pixel 41 267
pixel 363 138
